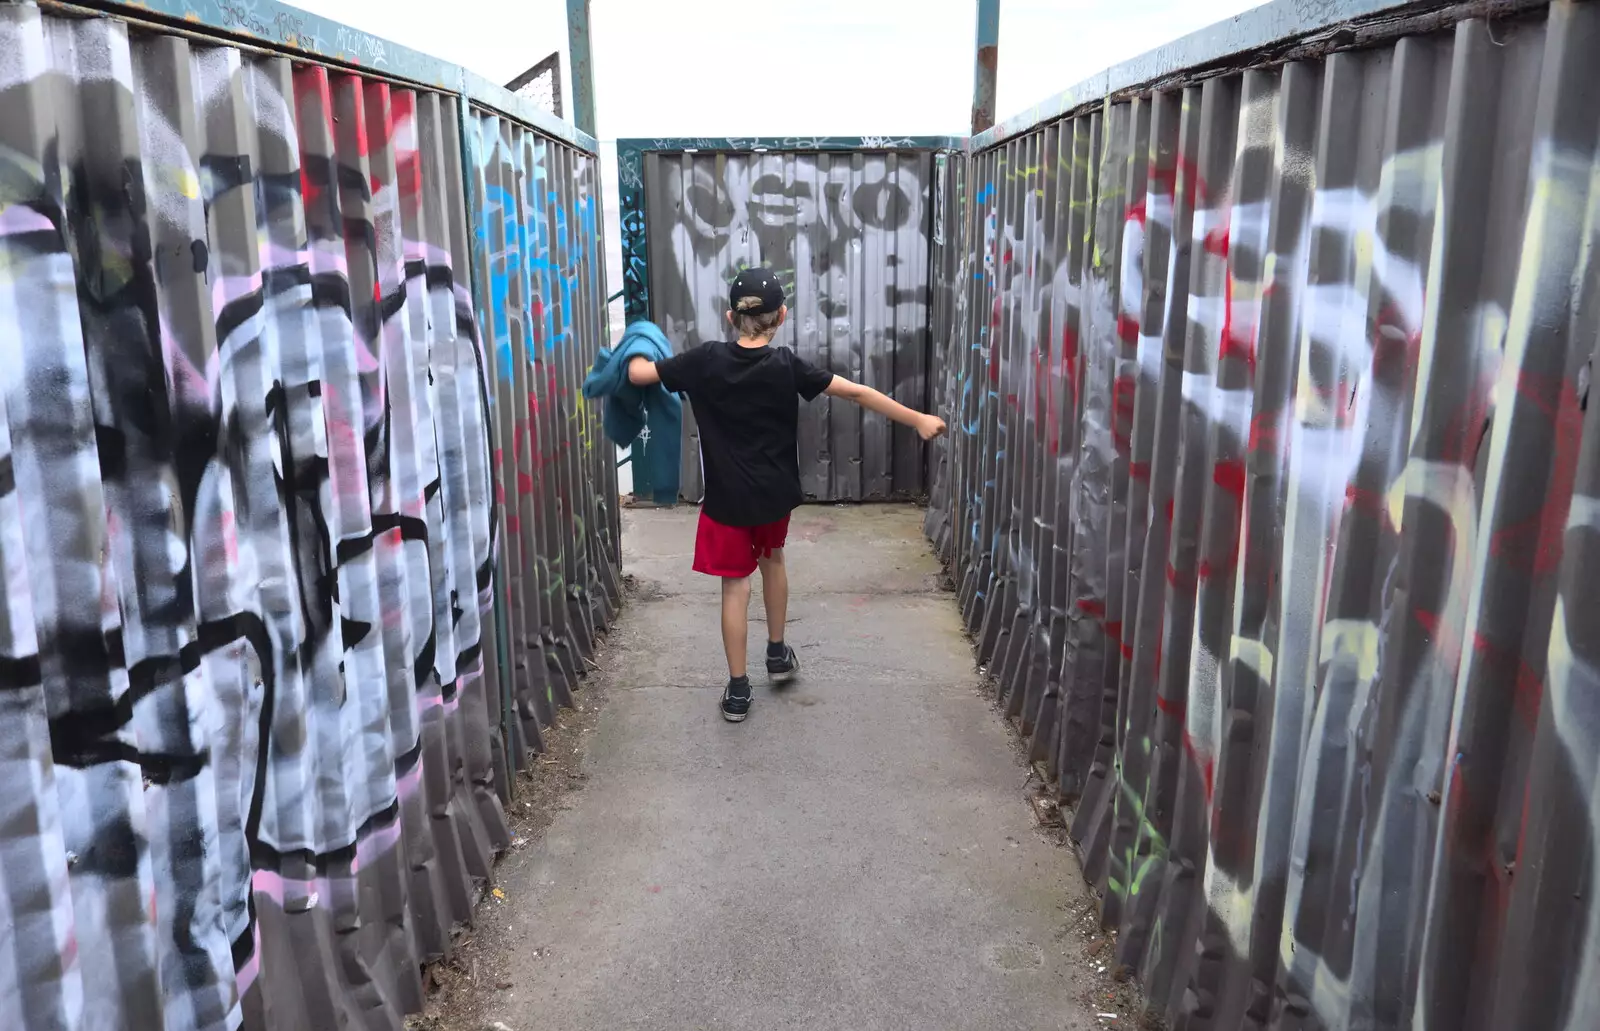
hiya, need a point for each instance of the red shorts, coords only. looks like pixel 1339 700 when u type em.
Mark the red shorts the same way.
pixel 732 551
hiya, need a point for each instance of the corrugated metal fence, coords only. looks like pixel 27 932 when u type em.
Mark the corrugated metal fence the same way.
pixel 1272 501
pixel 1271 495
pixel 542 308
pixel 257 710
pixel 846 223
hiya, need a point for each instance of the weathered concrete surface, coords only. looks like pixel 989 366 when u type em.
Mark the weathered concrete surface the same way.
pixel 857 855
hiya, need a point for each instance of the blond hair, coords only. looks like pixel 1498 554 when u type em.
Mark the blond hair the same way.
pixel 753 327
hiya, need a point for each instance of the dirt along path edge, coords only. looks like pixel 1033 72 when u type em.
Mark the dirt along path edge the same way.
pixel 462 987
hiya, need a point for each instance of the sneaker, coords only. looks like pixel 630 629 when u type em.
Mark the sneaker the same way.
pixel 736 700
pixel 782 669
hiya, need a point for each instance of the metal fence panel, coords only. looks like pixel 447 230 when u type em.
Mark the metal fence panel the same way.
pixel 1268 505
pixel 948 343
pixel 541 301
pixel 846 225
pixel 249 524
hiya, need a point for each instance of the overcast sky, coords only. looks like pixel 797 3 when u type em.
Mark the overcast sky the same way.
pixel 807 67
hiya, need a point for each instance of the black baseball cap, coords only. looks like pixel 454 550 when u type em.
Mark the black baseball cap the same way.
pixel 755 291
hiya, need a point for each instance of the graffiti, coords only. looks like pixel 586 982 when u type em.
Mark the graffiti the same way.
pixel 272 21
pixel 541 304
pixel 847 233
pixel 886 142
pixel 1268 501
pixel 249 530
pixel 364 48
pixel 630 179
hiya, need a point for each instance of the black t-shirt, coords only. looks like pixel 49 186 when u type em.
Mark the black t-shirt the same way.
pixel 744 402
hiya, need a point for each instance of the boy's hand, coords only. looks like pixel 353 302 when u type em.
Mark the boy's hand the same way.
pixel 930 426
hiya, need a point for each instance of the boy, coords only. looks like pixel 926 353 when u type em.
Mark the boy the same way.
pixel 744 398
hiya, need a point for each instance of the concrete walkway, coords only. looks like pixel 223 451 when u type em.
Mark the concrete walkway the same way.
pixel 857 855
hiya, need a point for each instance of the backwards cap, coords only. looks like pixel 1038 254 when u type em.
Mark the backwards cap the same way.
pixel 755 291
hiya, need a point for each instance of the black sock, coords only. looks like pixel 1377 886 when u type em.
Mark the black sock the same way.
pixel 743 681
pixel 776 650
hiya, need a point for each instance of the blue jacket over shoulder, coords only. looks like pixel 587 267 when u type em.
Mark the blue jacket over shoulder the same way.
pixel 648 418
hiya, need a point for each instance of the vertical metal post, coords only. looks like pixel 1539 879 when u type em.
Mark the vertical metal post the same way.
pixel 582 66
pixel 983 73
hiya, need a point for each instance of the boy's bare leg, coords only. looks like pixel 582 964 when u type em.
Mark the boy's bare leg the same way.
pixel 775 593
pixel 782 662
pixel 736 623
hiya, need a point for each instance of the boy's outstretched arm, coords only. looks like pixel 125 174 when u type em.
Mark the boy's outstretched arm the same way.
pixel 927 426
pixel 642 373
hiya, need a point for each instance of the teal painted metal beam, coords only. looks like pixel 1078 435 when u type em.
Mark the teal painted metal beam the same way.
pixel 986 63
pixel 580 58
pixel 630 216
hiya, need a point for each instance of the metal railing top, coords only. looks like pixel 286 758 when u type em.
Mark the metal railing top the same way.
pixel 1271 30
pixel 743 144
pixel 279 27
pixel 488 94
